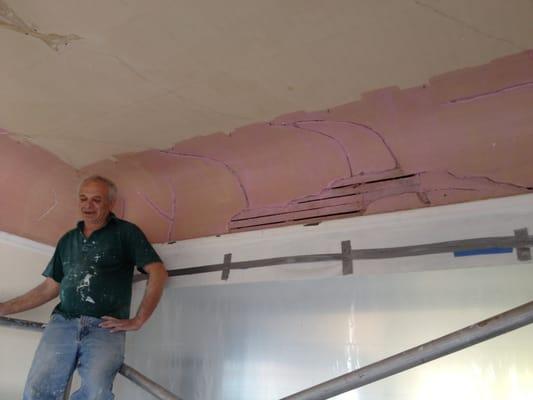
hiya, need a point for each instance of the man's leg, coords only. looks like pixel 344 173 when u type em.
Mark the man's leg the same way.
pixel 100 357
pixel 54 361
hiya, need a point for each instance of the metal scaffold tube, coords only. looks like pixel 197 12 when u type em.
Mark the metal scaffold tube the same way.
pixel 458 340
pixel 147 384
pixel 22 324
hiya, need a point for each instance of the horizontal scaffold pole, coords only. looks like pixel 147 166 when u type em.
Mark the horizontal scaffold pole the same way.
pixel 128 372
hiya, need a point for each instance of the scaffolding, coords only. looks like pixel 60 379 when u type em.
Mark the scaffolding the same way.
pixel 476 333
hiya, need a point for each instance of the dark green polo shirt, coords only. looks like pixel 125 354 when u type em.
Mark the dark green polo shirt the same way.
pixel 95 273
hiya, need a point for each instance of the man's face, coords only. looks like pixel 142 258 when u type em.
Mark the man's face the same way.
pixel 94 203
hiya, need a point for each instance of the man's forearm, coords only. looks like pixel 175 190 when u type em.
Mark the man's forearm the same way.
pixel 157 276
pixel 39 295
pixel 152 294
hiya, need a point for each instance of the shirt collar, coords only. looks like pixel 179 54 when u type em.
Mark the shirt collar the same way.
pixel 110 219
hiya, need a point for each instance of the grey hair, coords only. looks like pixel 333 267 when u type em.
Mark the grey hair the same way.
pixel 112 190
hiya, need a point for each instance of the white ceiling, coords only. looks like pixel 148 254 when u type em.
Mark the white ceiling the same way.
pixel 151 73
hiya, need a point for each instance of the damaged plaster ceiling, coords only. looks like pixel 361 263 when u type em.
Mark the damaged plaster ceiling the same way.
pixel 87 80
pixel 226 117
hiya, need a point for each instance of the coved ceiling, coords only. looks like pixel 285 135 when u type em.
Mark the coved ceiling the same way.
pixel 406 104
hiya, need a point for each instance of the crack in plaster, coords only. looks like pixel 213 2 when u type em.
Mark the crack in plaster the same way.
pixel 10 20
pixel 490 180
pixel 420 189
pixel 216 161
pixel 171 218
pixel 467 25
pixel 337 141
pixel 130 68
pixel 193 104
pixel 359 125
pixel 345 152
pixel 205 108
pixel 505 89
pixel 54 205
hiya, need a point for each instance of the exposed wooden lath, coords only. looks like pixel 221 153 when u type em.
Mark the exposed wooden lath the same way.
pixel 335 202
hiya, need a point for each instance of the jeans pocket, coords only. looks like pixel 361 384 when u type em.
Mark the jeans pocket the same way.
pixel 57 317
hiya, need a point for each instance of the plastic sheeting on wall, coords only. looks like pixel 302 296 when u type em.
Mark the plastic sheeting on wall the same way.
pixel 263 341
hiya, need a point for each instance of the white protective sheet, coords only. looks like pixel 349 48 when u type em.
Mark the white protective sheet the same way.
pixel 266 340
pixel 271 335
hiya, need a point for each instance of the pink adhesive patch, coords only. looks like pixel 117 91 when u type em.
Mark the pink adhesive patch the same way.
pixel 464 136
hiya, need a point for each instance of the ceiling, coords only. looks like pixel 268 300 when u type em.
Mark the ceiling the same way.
pixel 89 79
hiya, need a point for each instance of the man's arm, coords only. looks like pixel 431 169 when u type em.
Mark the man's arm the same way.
pixel 157 276
pixel 42 293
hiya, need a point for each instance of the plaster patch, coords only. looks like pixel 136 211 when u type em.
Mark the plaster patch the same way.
pixel 169 217
pixel 400 149
pixel 334 129
pixel 339 143
pixel 215 161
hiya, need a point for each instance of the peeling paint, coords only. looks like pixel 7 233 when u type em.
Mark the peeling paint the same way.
pixel 10 20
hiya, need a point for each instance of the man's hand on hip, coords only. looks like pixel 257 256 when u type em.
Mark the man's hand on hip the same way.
pixel 120 325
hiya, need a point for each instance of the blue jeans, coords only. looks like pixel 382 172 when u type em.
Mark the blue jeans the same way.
pixel 68 344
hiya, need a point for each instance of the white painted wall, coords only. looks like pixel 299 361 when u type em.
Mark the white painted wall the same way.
pixel 21 264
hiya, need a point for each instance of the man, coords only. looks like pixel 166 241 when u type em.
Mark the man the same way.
pixel 91 271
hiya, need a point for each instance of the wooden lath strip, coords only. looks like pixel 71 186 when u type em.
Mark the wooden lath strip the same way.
pixel 328 202
pixel 296 216
pixel 309 221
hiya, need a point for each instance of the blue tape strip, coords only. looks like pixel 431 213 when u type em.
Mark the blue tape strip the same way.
pixel 477 252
